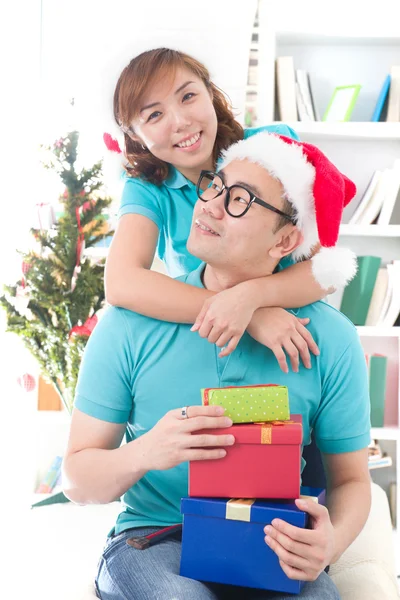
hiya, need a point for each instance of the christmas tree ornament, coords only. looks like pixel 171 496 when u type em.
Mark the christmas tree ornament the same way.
pixel 45 215
pixel 85 329
pixel 27 382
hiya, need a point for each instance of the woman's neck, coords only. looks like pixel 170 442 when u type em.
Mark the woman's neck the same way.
pixel 193 173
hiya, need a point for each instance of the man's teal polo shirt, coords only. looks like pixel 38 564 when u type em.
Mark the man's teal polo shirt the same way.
pixel 170 206
pixel 135 369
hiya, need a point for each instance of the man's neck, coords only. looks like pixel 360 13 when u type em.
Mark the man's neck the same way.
pixel 217 280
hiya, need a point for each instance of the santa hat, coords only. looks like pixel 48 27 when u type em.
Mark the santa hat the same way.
pixel 318 192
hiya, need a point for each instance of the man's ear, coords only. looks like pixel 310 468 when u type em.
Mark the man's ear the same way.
pixel 286 243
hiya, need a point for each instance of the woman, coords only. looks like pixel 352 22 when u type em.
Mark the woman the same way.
pixel 175 123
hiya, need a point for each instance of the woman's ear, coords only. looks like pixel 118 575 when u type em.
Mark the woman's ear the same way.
pixel 287 241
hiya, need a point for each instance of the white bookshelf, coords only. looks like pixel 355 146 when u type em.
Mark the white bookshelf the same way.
pixel 385 231
pixel 332 58
pixel 353 130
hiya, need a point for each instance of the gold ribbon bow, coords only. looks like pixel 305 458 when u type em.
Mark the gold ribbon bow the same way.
pixel 266 429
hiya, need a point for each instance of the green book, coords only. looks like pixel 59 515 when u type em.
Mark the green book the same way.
pixel 377 388
pixel 357 295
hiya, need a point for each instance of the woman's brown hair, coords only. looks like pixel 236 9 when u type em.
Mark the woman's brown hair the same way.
pixel 135 79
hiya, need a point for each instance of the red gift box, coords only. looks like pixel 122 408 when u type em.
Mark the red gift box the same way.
pixel 264 462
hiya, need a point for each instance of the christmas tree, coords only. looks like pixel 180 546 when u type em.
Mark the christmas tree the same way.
pixel 53 306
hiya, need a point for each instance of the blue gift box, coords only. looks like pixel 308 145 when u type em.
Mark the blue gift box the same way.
pixel 223 540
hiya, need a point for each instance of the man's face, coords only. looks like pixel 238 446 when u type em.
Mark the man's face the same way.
pixel 239 243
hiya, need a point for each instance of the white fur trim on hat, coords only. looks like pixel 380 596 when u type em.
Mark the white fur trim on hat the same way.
pixel 287 163
pixel 334 267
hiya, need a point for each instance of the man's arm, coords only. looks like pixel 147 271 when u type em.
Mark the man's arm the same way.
pixel 96 469
pixel 348 496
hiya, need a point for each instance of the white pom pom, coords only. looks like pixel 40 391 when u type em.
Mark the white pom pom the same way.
pixel 334 267
pixel 113 171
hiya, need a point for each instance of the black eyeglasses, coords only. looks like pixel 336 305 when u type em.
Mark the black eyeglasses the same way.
pixel 238 199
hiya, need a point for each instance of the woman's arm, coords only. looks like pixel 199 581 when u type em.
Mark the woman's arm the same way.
pixel 292 287
pixel 130 283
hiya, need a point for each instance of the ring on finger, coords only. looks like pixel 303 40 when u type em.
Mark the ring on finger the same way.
pixel 184 412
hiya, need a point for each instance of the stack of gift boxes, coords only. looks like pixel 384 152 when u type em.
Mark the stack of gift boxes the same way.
pixel 232 499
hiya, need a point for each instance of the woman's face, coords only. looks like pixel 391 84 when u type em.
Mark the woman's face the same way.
pixel 178 124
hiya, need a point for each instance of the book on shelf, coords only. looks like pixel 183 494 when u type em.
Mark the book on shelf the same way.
pixel 286 89
pixel 378 297
pixel 392 501
pixel 377 376
pixel 305 104
pixel 393 109
pixel 378 201
pixel 376 458
pixel 365 199
pixel 357 295
pixel 382 302
pixel 392 192
pixel 380 110
pixel 391 308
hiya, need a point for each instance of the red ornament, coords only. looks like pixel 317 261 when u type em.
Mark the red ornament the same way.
pixel 26 267
pixel 111 143
pixel 88 205
pixel 27 382
pixel 86 328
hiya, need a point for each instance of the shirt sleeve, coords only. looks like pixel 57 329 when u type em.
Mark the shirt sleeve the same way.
pixel 279 128
pixel 287 131
pixel 342 422
pixel 104 388
pixel 141 198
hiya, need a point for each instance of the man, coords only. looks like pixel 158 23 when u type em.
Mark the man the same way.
pixel 137 372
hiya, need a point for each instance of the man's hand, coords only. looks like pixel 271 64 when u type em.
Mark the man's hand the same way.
pixel 224 318
pixel 303 553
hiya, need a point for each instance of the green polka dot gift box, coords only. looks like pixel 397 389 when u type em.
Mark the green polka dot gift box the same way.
pixel 250 404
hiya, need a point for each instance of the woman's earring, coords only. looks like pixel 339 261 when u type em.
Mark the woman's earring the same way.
pixel 144 147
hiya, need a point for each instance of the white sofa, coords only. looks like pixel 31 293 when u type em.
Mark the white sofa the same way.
pixel 67 540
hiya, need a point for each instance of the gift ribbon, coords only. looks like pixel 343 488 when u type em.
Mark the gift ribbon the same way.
pixel 266 429
pixel 239 509
pixel 313 498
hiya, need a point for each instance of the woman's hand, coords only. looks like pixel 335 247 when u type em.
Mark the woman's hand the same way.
pixel 173 440
pixel 224 318
pixel 281 331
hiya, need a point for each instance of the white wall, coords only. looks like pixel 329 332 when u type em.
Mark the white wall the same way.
pixel 106 36
pixel 347 17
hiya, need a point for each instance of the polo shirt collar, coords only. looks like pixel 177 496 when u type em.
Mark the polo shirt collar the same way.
pixel 194 277
pixel 175 179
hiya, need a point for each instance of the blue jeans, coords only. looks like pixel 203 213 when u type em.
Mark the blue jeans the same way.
pixel 125 573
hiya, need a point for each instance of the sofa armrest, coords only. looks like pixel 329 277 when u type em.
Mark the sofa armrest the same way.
pixel 366 570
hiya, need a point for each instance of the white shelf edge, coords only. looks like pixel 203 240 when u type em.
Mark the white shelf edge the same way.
pixel 350 130
pixel 370 230
pixel 385 433
pixel 376 331
pixel 367 37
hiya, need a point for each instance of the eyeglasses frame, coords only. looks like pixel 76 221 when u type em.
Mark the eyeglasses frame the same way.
pixel 253 198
